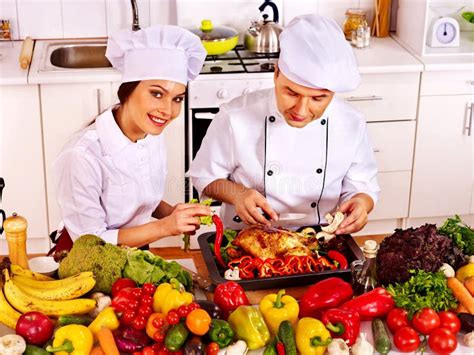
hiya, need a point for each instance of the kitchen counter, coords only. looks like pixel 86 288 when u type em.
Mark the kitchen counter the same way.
pixel 10 71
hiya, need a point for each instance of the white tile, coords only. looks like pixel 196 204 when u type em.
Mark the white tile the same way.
pixel 162 12
pixel 40 18
pixel 84 18
pixel 293 8
pixel 8 12
pixel 119 14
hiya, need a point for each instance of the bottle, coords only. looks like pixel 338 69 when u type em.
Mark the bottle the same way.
pixel 15 231
pixel 364 277
pixel 354 19
pixel 6 33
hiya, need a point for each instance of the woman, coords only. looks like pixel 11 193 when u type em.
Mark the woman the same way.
pixel 110 178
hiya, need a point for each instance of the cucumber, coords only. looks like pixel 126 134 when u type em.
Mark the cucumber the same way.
pixel 35 350
pixel 381 338
pixel 271 348
pixel 287 337
pixel 66 320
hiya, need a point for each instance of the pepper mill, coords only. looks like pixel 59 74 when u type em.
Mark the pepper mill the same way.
pixel 15 231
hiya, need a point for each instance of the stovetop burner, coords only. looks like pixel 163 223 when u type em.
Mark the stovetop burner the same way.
pixel 216 69
pixel 267 66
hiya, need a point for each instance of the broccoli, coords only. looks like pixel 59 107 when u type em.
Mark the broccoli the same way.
pixel 91 253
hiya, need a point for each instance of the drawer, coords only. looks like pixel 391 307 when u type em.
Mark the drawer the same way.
pixel 386 97
pixel 447 83
pixel 394 195
pixel 393 144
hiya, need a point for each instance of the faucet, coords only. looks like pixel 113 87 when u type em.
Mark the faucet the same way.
pixel 135 24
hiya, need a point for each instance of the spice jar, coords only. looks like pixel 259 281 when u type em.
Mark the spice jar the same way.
pixel 354 18
pixel 15 231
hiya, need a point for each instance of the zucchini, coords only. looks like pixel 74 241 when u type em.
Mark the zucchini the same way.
pixel 271 348
pixel 35 350
pixel 287 337
pixel 381 339
pixel 66 320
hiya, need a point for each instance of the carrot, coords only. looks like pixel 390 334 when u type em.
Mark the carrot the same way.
pixel 469 284
pixel 97 350
pixel 461 293
pixel 460 309
pixel 107 342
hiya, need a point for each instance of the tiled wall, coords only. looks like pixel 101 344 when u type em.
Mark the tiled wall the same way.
pixel 99 18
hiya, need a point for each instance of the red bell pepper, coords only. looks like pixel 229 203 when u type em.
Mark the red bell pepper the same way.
pixel 121 302
pixel 374 304
pixel 341 260
pixel 229 296
pixel 218 240
pixel 342 323
pixel 325 294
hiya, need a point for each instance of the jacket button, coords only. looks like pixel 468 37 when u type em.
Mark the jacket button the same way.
pixel 271 118
pixel 237 219
pixel 313 205
pixel 319 171
pixel 269 173
pixel 323 121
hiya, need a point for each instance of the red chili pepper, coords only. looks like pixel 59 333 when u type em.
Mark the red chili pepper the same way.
pixel 218 240
pixel 339 258
pixel 280 348
pixel 342 323
pixel 374 304
pixel 228 296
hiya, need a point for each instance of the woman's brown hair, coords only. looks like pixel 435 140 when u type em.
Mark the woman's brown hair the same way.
pixel 125 90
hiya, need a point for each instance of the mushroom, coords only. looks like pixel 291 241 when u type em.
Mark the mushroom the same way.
pixel 232 274
pixel 102 302
pixel 12 344
pixel 328 232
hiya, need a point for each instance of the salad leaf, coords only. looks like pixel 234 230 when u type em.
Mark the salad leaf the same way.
pixel 468 16
pixel 206 220
pixel 461 234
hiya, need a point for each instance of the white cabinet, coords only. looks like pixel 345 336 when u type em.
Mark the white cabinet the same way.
pixel 21 162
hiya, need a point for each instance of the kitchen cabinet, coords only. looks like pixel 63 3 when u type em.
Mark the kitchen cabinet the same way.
pixel 21 162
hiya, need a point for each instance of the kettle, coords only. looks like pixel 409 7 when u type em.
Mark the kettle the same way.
pixel 262 36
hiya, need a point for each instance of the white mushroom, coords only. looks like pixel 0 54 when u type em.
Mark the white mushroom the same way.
pixel 102 302
pixel 338 218
pixel 238 348
pixel 447 270
pixel 327 236
pixel 232 274
pixel 12 344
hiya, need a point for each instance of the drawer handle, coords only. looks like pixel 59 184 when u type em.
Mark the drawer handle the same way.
pixel 99 104
pixel 471 82
pixel 376 150
pixel 469 124
pixel 365 98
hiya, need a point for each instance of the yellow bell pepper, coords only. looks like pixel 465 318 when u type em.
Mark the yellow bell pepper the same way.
pixel 105 319
pixel 312 337
pixel 170 296
pixel 248 324
pixel 73 339
pixel 276 308
pixel 464 272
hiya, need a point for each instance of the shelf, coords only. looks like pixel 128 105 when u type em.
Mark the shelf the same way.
pixel 466 47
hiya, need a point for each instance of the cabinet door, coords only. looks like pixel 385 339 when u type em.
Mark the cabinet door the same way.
pixel 66 109
pixel 21 162
pixel 442 172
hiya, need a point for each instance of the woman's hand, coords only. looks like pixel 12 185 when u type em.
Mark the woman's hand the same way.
pixel 184 219
pixel 356 209
pixel 247 204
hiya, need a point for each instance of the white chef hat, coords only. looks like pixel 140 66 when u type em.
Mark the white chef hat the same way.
pixel 314 53
pixel 159 52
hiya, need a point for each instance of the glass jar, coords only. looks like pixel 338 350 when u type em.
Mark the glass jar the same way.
pixel 364 276
pixel 354 18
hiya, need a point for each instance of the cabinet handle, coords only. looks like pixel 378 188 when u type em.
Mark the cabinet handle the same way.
pixel 471 82
pixel 99 104
pixel 469 124
pixel 376 150
pixel 365 98
pixel 204 115
pixel 2 185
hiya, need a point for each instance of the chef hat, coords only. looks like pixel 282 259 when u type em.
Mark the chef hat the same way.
pixel 159 52
pixel 314 53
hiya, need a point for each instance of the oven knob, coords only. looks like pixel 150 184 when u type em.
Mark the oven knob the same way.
pixel 222 94
pixel 247 91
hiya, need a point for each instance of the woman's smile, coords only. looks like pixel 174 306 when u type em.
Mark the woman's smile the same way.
pixel 156 120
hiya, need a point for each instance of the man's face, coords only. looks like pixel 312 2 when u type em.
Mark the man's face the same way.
pixel 299 104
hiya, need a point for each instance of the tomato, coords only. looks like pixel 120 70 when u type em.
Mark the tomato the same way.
pixel 147 300
pixel 396 319
pixel 183 311
pixel 148 350
pixel 172 317
pixel 139 322
pixel 148 288
pixel 193 305
pixel 198 321
pixel 443 341
pixel 156 323
pixel 212 348
pixel 137 293
pixel 145 311
pixel 449 321
pixel 122 283
pixel 406 339
pixel 425 321
pixel 128 316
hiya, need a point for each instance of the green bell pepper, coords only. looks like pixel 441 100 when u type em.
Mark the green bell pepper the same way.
pixel 220 332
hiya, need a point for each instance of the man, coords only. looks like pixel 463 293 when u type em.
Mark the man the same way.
pixel 295 148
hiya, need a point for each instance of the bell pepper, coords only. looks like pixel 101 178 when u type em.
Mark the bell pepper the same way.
pixel 170 296
pixel 122 299
pixel 105 319
pixel 325 294
pixel 312 338
pixel 176 337
pixel 276 308
pixel 338 258
pixel 228 296
pixel 374 304
pixel 342 323
pixel 220 332
pixel 73 339
pixel 248 324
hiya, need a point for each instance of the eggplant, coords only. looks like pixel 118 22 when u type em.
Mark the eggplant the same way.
pixel 211 308
pixel 194 346
pixel 467 322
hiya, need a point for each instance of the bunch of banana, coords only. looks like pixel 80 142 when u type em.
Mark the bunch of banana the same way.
pixel 8 315
pixel 17 270
pixel 24 302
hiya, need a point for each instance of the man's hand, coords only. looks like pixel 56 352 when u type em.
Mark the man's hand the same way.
pixel 356 210
pixel 247 203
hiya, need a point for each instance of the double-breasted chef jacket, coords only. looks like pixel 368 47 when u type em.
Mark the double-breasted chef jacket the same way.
pixel 308 170
pixel 105 182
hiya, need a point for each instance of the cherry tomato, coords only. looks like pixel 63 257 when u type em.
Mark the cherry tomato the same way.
pixel 198 321
pixel 183 311
pixel 148 288
pixel 148 350
pixel 139 322
pixel 133 304
pixel 449 321
pixel 193 305
pixel 128 316
pixel 396 319
pixel 212 348
pixel 145 311
pixel 406 339
pixel 147 300
pixel 441 340
pixel 158 321
pixel 159 337
pixel 137 293
pixel 155 323
pixel 172 317
pixel 122 283
pixel 425 321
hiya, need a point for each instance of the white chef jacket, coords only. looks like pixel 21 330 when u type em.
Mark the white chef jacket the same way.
pixel 105 182
pixel 249 142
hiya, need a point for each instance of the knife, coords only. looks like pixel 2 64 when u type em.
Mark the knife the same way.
pixel 200 282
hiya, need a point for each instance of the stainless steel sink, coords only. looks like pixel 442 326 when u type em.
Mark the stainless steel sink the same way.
pixel 74 55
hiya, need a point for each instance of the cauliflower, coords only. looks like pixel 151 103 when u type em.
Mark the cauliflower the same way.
pixel 91 253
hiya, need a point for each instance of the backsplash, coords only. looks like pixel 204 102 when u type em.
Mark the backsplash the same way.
pixel 43 19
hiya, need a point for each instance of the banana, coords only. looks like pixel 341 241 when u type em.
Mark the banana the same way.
pixel 66 291
pixel 23 302
pixel 18 270
pixel 54 284
pixel 8 315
